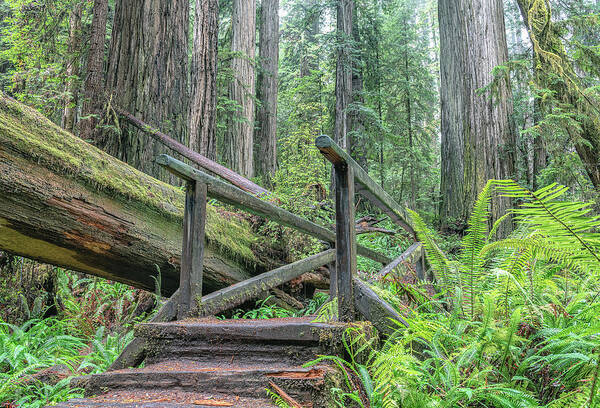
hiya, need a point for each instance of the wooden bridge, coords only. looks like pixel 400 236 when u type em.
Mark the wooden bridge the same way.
pixel 191 359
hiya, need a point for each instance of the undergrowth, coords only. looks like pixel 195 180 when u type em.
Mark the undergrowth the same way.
pixel 511 323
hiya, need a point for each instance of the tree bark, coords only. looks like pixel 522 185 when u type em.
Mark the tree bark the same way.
pixel 240 132
pixel 147 76
pixel 66 203
pixel 312 17
pixel 357 138
pixel 478 136
pixel 93 92
pixel 203 98
pixel 267 90
pixel 72 71
pixel 554 71
pixel 343 72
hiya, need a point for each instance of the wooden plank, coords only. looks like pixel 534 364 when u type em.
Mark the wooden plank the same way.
pixel 241 292
pixel 192 254
pixel 240 199
pixel 185 300
pixel 411 256
pixel 345 244
pixel 199 222
pixel 376 310
pixel 135 352
pixel 195 157
pixel 366 186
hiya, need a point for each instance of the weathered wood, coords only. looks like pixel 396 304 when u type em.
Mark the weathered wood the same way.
pixel 411 256
pixel 365 185
pixel 199 222
pixel 376 310
pixel 66 203
pixel 234 196
pixel 195 157
pixel 134 353
pixel 185 299
pixel 332 280
pixel 190 281
pixel 345 243
pixel 241 292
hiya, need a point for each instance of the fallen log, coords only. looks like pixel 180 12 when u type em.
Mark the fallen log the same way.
pixel 67 203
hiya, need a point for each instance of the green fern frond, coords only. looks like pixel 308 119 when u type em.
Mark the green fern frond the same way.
pixel 471 257
pixel 437 259
pixel 568 225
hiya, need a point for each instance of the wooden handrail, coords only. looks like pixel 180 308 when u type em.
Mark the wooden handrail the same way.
pixel 365 184
pixel 241 292
pixel 238 198
pixel 414 252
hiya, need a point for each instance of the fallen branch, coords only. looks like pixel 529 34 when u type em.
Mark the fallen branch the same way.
pixel 285 396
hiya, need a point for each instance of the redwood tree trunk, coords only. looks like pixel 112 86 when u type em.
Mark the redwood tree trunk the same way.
pixel 203 98
pixel 72 71
pixel 343 72
pixel 478 137
pixel 93 92
pixel 267 90
pixel 240 132
pixel 147 74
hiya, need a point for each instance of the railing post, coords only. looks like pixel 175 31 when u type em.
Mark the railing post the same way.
pixel 192 254
pixel 345 244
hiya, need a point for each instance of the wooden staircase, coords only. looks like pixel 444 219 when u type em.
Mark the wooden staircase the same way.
pixel 228 363
pixel 207 362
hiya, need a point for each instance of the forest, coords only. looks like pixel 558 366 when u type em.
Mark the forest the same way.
pixel 296 148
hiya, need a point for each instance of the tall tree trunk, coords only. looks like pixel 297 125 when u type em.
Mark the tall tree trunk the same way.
pixel 203 77
pixel 357 139
pixel 343 72
pixel 478 137
pixel 267 90
pixel 409 126
pixel 147 75
pixel 409 122
pixel 93 90
pixel 311 29
pixel 240 132
pixel 554 71
pixel 72 71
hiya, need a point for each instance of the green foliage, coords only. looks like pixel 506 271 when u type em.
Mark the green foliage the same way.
pixel 50 343
pixel 34 48
pixel 270 311
pixel 515 323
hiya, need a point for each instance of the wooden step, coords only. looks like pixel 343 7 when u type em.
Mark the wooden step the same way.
pixel 199 362
pixel 303 384
pixel 285 342
pixel 162 399
pixel 297 330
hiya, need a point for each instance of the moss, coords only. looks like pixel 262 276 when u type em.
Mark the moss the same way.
pixel 232 236
pixel 26 132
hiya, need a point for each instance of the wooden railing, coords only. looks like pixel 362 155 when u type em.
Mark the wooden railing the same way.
pixel 349 177
pixel 352 293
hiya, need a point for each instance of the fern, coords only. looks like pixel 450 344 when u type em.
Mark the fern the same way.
pixel 566 229
pixel 471 257
pixel 439 261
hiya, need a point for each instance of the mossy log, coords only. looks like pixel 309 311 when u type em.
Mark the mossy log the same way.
pixel 67 203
